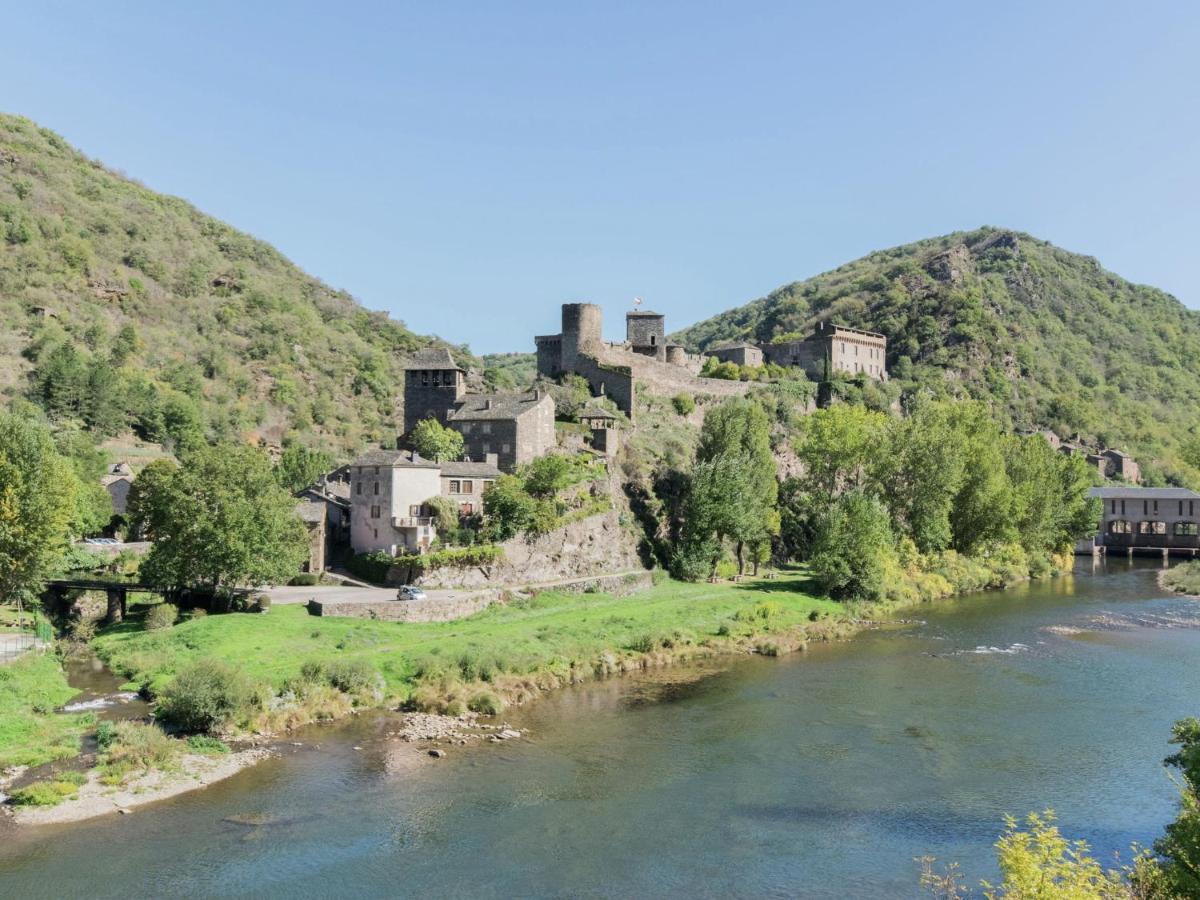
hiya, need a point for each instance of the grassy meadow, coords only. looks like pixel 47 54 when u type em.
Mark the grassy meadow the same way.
pixel 31 732
pixel 550 638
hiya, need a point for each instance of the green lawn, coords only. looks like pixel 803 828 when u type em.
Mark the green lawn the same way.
pixel 546 634
pixel 31 732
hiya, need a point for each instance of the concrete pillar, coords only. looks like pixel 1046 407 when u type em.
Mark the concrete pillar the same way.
pixel 116 606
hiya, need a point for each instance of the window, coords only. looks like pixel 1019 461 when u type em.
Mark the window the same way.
pixel 1186 529
pixel 376 530
pixel 424 379
pixel 466 428
pixel 1152 527
pixel 1181 507
pixel 1114 507
pixel 1122 507
pixel 506 448
pixel 358 488
pixel 1191 507
pixel 376 492
pixel 374 512
pixel 377 470
pixel 437 379
pixel 1156 507
pixel 415 509
pixel 488 483
pixel 454 487
pixel 468 487
pixel 487 448
pixel 486 427
pixel 1118 526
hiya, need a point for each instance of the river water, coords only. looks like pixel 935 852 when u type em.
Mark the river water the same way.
pixel 816 775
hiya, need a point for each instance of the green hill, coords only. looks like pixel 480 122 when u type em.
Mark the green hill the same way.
pixel 1048 336
pixel 128 309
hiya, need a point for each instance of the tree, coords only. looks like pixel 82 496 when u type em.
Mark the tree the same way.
pixel 1180 845
pixel 38 492
pixel 445 514
pixel 733 492
pixel 547 475
pixel 838 448
pixel 300 466
pixel 508 508
pixel 219 521
pixel 855 549
pixel 433 440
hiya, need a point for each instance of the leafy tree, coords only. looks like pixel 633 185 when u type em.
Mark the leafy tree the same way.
pixel 300 466
pixel 435 441
pixel 219 521
pixel 508 508
pixel 839 447
pixel 855 549
pixel 1180 845
pixel 547 475
pixel 445 514
pixel 93 504
pixel 734 493
pixel 38 491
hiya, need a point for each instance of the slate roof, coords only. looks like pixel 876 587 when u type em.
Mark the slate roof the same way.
pixel 432 358
pixel 405 458
pixel 311 512
pixel 467 469
pixel 597 412
pixel 496 407
pixel 1143 493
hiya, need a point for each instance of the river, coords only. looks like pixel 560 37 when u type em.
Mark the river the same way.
pixel 815 775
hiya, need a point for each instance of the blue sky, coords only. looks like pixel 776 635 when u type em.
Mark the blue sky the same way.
pixel 468 167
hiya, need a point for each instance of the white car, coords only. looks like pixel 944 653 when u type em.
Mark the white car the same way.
pixel 408 592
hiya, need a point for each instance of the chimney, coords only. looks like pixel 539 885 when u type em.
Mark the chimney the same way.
pixel 492 459
pixel 537 394
pixel 487 404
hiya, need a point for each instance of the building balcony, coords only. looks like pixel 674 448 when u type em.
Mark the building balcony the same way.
pixel 412 521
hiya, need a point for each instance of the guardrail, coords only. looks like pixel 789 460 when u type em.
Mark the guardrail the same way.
pixel 411 521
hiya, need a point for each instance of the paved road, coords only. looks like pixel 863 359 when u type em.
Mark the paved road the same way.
pixel 335 593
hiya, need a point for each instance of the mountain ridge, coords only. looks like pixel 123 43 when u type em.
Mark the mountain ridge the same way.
pixel 1050 337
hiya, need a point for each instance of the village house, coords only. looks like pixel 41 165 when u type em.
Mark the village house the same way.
pixel 117 480
pixel 832 349
pixel 515 428
pixel 464 483
pixel 324 507
pixel 389 494
pixel 741 354
pixel 1143 518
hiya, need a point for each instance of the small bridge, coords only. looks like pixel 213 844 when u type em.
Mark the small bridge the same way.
pixel 116 591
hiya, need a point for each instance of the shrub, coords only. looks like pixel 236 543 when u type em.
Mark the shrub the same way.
pixel 547 475
pixel 83 630
pixel 106 732
pixel 206 696
pixel 44 793
pixel 160 616
pixel 458 558
pixel 351 676
pixel 371 567
pixel 138 747
pixel 487 704
pixel 210 746
pixel 684 403
pixel 305 579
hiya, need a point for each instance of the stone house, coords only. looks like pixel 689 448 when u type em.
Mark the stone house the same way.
pixel 324 507
pixel 1121 465
pixel 464 483
pixel 516 428
pixel 388 494
pixel 603 425
pixel 1139 518
pixel 741 354
pixel 117 480
pixel 832 349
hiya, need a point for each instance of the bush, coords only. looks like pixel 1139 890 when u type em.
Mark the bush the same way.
pixel 684 403
pixel 139 747
pixel 106 732
pixel 547 475
pixel 209 746
pixel 351 676
pixel 372 567
pixel 44 793
pixel 457 558
pixel 486 704
pixel 207 696
pixel 305 579
pixel 160 616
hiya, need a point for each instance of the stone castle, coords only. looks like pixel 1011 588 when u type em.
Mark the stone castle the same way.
pixel 613 369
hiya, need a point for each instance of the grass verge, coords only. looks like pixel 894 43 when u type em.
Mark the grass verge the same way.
pixel 31 732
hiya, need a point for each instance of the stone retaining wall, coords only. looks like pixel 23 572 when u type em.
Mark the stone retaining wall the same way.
pixel 435 610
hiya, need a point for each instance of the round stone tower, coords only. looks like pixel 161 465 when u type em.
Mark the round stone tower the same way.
pixel 581 331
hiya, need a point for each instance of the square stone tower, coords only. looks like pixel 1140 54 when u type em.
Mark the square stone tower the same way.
pixel 434 385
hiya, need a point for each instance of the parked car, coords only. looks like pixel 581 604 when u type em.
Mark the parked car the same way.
pixel 409 592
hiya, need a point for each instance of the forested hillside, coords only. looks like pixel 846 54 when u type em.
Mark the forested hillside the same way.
pixel 124 308
pixel 1048 337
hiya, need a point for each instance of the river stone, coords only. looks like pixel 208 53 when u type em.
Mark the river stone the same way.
pixel 437 754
